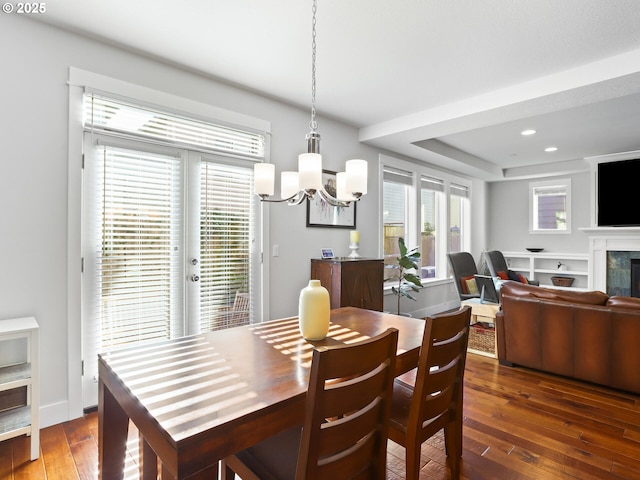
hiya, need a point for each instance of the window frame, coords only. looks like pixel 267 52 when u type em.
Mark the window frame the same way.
pixel 407 180
pixel 559 183
pixel 79 82
pixel 414 226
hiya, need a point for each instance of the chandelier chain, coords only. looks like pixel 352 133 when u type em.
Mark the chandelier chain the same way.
pixel 313 124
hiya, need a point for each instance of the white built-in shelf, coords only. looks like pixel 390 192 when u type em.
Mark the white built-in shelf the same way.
pixel 14 422
pixel 22 420
pixel 542 266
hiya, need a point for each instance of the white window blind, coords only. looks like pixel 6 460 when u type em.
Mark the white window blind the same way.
pixel 138 254
pixel 227 211
pixel 431 183
pixel 396 175
pixel 459 190
pixel 110 115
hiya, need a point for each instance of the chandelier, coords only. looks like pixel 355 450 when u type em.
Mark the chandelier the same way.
pixel 307 181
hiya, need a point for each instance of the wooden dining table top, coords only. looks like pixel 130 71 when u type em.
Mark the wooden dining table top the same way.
pixel 199 398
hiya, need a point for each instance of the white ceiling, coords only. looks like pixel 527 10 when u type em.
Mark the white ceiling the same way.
pixel 451 82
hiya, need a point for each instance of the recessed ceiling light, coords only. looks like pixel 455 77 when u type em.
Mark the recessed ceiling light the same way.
pixel 529 131
pixel 551 149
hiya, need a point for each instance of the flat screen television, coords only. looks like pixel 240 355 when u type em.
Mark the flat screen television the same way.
pixel 619 193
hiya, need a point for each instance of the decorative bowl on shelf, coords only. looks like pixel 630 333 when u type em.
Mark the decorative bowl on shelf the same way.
pixel 559 281
pixel 534 250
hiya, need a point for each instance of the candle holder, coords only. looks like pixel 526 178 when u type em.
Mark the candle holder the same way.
pixel 354 239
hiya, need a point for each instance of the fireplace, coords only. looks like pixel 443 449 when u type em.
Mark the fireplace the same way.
pixel 635 277
pixel 610 253
pixel 623 273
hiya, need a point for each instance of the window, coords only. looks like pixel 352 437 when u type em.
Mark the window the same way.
pixel 458 218
pixel 169 231
pixel 431 201
pixel 427 208
pixel 396 187
pixel 550 206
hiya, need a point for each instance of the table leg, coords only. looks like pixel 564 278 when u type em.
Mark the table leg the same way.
pixel 113 425
pixel 148 460
pixel 166 474
pixel 210 473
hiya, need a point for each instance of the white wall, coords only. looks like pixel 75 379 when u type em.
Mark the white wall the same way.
pixel 508 216
pixel 34 191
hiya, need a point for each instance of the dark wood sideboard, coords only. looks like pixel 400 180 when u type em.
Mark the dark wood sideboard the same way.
pixel 351 282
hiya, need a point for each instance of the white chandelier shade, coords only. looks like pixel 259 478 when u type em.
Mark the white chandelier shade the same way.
pixel 310 171
pixel 296 186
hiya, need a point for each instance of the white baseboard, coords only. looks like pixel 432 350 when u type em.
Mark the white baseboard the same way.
pixel 435 309
pixel 54 413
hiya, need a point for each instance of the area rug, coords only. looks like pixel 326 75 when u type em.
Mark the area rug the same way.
pixel 482 338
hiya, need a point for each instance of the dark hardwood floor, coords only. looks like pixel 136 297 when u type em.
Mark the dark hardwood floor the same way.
pixel 519 424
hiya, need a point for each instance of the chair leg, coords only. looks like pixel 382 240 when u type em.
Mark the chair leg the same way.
pixel 453 447
pixel 412 453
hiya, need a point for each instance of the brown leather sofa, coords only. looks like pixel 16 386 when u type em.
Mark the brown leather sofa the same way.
pixel 583 335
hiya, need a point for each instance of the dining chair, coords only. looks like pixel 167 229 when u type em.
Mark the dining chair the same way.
pixel 235 315
pixel 432 399
pixel 240 310
pixel 344 434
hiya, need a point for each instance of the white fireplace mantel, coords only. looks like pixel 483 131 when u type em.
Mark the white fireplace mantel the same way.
pixel 611 231
pixel 603 240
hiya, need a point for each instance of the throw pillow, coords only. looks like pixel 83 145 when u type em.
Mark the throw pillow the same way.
pixel 464 286
pixel 468 285
pixel 516 277
pixel 472 286
pixel 503 275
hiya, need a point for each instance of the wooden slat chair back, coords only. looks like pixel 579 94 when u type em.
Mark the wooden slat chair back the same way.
pixel 434 400
pixel 345 431
pixel 240 310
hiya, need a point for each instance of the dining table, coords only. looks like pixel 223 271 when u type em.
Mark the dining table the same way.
pixel 197 399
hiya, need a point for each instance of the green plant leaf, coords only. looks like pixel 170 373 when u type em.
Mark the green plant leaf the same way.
pixel 407 263
pixel 408 295
pixel 402 247
pixel 410 277
pixel 407 282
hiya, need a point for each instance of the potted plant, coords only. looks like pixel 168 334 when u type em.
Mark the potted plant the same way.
pixel 407 281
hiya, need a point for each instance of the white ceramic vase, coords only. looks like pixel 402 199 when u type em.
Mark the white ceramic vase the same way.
pixel 313 311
